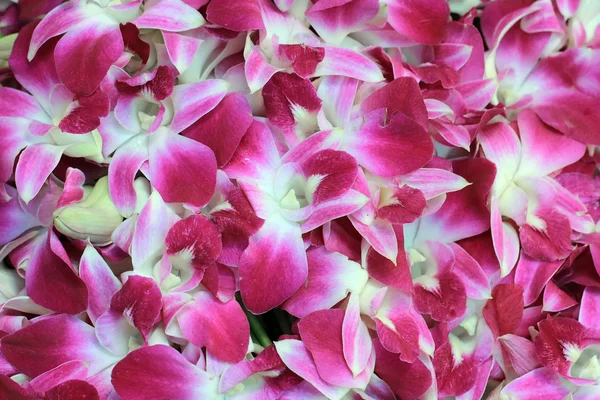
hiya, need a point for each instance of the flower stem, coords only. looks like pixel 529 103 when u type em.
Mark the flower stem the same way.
pixel 256 328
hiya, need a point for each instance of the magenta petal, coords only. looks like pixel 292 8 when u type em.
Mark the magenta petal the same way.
pixel 240 17
pixel 85 117
pixel 36 163
pixel 335 171
pixel 304 59
pixel 356 340
pixel 470 273
pixel 423 21
pixel 73 390
pixel 197 237
pixel 222 128
pixel 556 299
pixel 220 327
pixel 349 63
pixel 122 171
pixel 533 275
pixel 590 307
pixel 551 243
pixel 193 100
pixel 407 380
pixel 181 169
pixel 84 55
pixel 169 16
pixel 52 341
pixel 401 95
pixel 518 353
pixel 444 303
pixel 333 20
pixel 453 378
pixel 321 333
pixel 101 282
pixel 554 334
pixel 76 369
pixel 140 300
pixel 330 277
pixel 51 282
pixel 541 383
pixel 12 141
pixel 504 311
pixel 161 372
pixel 387 149
pixel 403 206
pixel 273 266
pixel 297 358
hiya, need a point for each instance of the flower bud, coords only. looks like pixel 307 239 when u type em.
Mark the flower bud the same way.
pixel 94 217
pixel 6 45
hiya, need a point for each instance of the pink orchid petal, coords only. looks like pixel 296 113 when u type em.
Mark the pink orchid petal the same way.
pixel 399 147
pixel 451 135
pixel 336 171
pixel 73 390
pixel 289 100
pixel 101 282
pixel 12 141
pixel 220 327
pixel 337 94
pixel 329 210
pixel 36 163
pixel 407 204
pixel 518 353
pixel 434 181
pixel 504 311
pixel 222 128
pixel 407 380
pixel 73 187
pixel 58 21
pixel 501 146
pixel 410 103
pixel 554 334
pixel 331 276
pixel 540 382
pixel 590 307
pixel 470 273
pixel 340 236
pixel 273 266
pixel 420 20
pixel 196 236
pixel 181 169
pixel 395 274
pixel 140 301
pixel 16 103
pixel 303 59
pixel 65 372
pixel 152 226
pixel 333 20
pixel 380 235
pixel 52 341
pixel 51 282
pixel 256 154
pixel 445 303
pixel 181 49
pixel 297 358
pixel 346 62
pixel 551 243
pixel 114 332
pixel 127 111
pixel 456 220
pixel 160 372
pixel 220 281
pixel 533 275
pixel 85 117
pixel 506 240
pixel 258 70
pixel 401 330
pixel 169 16
pixel 16 220
pixel 321 333
pixel 453 378
pixel 243 16
pixel 122 171
pixel 546 149
pixel 356 341
pixel 194 100
pixel 555 299
pixel 78 63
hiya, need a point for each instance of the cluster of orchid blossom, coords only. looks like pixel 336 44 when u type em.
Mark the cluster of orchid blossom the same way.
pixel 288 199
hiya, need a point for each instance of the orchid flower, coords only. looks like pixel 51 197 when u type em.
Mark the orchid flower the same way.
pixel 524 192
